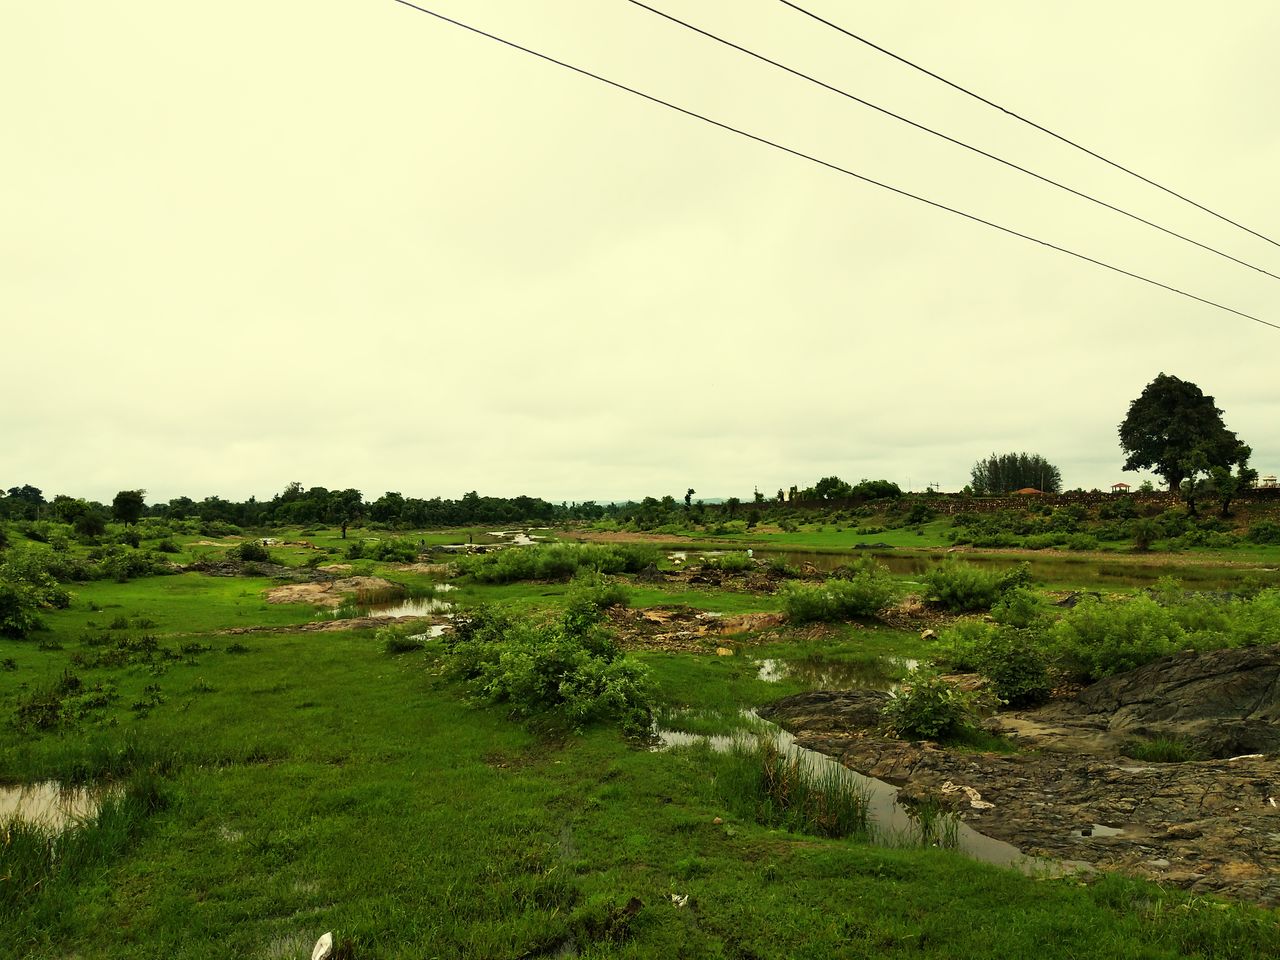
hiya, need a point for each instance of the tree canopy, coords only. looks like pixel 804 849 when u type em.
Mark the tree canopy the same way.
pixel 1006 472
pixel 1176 431
pixel 129 505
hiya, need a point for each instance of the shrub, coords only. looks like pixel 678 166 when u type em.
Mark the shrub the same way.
pixel 963 587
pixel 928 708
pixel 864 594
pixel 1095 640
pixel 1163 750
pixel 250 551
pixel 557 561
pixel 395 640
pixel 19 610
pixel 1015 664
pixel 1264 531
pixel 1082 541
pixel 550 670
pixel 167 546
pixel 588 598
pixel 1018 607
pixel 734 562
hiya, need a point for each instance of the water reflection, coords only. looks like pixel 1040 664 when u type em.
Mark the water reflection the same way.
pixel 881 673
pixel 892 824
pixel 48 804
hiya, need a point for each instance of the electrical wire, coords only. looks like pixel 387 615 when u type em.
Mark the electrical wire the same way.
pixel 950 139
pixel 1026 120
pixel 829 165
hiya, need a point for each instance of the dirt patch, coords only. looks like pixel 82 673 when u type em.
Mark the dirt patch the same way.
pixel 431 569
pixel 681 628
pixel 1208 826
pixel 330 594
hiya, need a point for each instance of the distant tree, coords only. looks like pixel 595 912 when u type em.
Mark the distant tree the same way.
pixel 92 523
pixel 128 505
pixel 347 506
pixel 688 497
pixel 1004 473
pixel 24 502
pixel 1177 431
pixel 731 505
pixel 831 488
pixel 877 490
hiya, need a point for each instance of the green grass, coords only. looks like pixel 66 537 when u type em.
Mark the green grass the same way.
pixel 316 783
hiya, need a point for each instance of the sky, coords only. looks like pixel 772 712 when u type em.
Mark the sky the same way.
pixel 347 244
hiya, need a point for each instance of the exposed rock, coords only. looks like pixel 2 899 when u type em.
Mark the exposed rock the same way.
pixel 1222 703
pixel 1211 826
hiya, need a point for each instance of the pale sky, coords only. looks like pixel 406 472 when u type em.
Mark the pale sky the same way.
pixel 343 243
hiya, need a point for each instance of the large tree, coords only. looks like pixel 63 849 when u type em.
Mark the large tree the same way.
pixel 128 506
pixel 1176 431
pixel 1007 472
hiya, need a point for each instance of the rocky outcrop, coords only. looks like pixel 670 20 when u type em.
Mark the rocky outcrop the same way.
pixel 1222 703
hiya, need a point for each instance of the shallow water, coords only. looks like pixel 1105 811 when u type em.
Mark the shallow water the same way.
pixel 881 673
pixel 891 824
pixel 48 804
pixel 394 609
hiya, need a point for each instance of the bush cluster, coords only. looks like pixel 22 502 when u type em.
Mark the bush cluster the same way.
pixel 964 587
pixel 926 707
pixel 557 561
pixel 865 592
pixel 568 670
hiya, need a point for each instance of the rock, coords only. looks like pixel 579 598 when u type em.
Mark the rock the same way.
pixel 1222 703
pixel 828 711
pixel 928 635
pixel 323 948
pixel 717 821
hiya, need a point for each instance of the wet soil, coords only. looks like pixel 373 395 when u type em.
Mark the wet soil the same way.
pixel 330 593
pixel 684 629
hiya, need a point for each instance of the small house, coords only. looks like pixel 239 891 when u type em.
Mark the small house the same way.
pixel 1120 487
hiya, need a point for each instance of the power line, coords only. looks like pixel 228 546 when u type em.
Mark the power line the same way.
pixel 1029 122
pixel 828 164
pixel 950 139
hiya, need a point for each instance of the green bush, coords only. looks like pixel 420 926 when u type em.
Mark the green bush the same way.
pixel 557 561
pixel 589 597
pixel 250 551
pixel 734 562
pixel 1095 640
pixel 393 550
pixel 964 587
pixel 1018 607
pixel 864 594
pixel 926 707
pixel 19 611
pixel 1016 665
pixel 552 670
pixel 1264 531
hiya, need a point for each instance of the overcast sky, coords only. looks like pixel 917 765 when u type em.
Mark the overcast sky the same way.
pixel 344 243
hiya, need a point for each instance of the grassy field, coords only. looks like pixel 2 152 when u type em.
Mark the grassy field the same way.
pixel 283 784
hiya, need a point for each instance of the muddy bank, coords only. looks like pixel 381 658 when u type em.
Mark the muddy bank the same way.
pixel 329 594
pixel 1208 826
pixel 680 628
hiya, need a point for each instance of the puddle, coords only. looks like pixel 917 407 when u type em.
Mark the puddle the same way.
pixel 431 633
pixel 879 674
pixel 394 609
pixel 892 825
pixel 48 804
pixel 517 538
